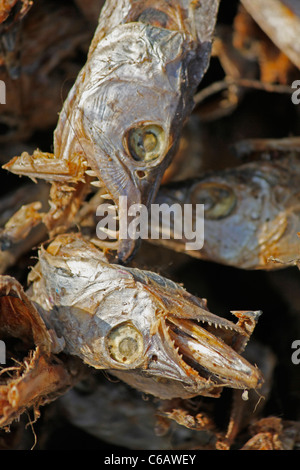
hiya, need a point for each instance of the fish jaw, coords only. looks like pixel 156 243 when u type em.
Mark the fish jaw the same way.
pixel 141 326
pixel 145 88
pixel 184 359
pixel 210 353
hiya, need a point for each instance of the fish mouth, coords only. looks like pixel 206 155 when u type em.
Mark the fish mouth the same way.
pixel 115 209
pixel 211 352
pixel 109 212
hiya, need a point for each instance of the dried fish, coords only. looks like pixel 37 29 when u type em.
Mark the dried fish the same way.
pixel 138 325
pixel 273 433
pixel 146 58
pixel 99 407
pixel 251 217
pixel 118 132
pixel 33 374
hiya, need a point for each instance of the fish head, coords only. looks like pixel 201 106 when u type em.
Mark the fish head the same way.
pixel 249 212
pixel 140 326
pixel 184 350
pixel 132 99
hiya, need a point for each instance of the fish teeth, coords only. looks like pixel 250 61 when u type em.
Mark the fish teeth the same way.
pixel 105 196
pixel 97 184
pixel 111 233
pixel 90 172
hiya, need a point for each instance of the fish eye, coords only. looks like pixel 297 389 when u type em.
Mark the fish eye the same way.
pixel 146 142
pixel 125 343
pixel 219 199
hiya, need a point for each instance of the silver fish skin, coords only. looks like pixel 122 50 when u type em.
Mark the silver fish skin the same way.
pixel 125 112
pixel 143 328
pixel 251 214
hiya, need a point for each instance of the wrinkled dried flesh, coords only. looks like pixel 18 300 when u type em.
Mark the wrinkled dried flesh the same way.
pixel 273 434
pixel 30 73
pixel 163 32
pixel 48 167
pixel 157 317
pixel 251 212
pixel 32 374
pixel 189 31
pixel 21 230
pixel 21 224
pixel 38 380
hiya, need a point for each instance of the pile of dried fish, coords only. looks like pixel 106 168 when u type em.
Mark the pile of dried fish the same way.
pixel 166 104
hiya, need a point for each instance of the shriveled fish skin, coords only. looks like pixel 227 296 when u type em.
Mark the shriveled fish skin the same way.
pixel 251 214
pixel 140 326
pixel 125 112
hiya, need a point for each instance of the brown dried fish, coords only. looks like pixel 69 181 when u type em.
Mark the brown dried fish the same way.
pixel 146 58
pixel 273 433
pixel 142 327
pixel 33 374
pixel 73 266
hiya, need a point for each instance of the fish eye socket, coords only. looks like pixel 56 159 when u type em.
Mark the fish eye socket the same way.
pixel 219 199
pixel 146 143
pixel 125 343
